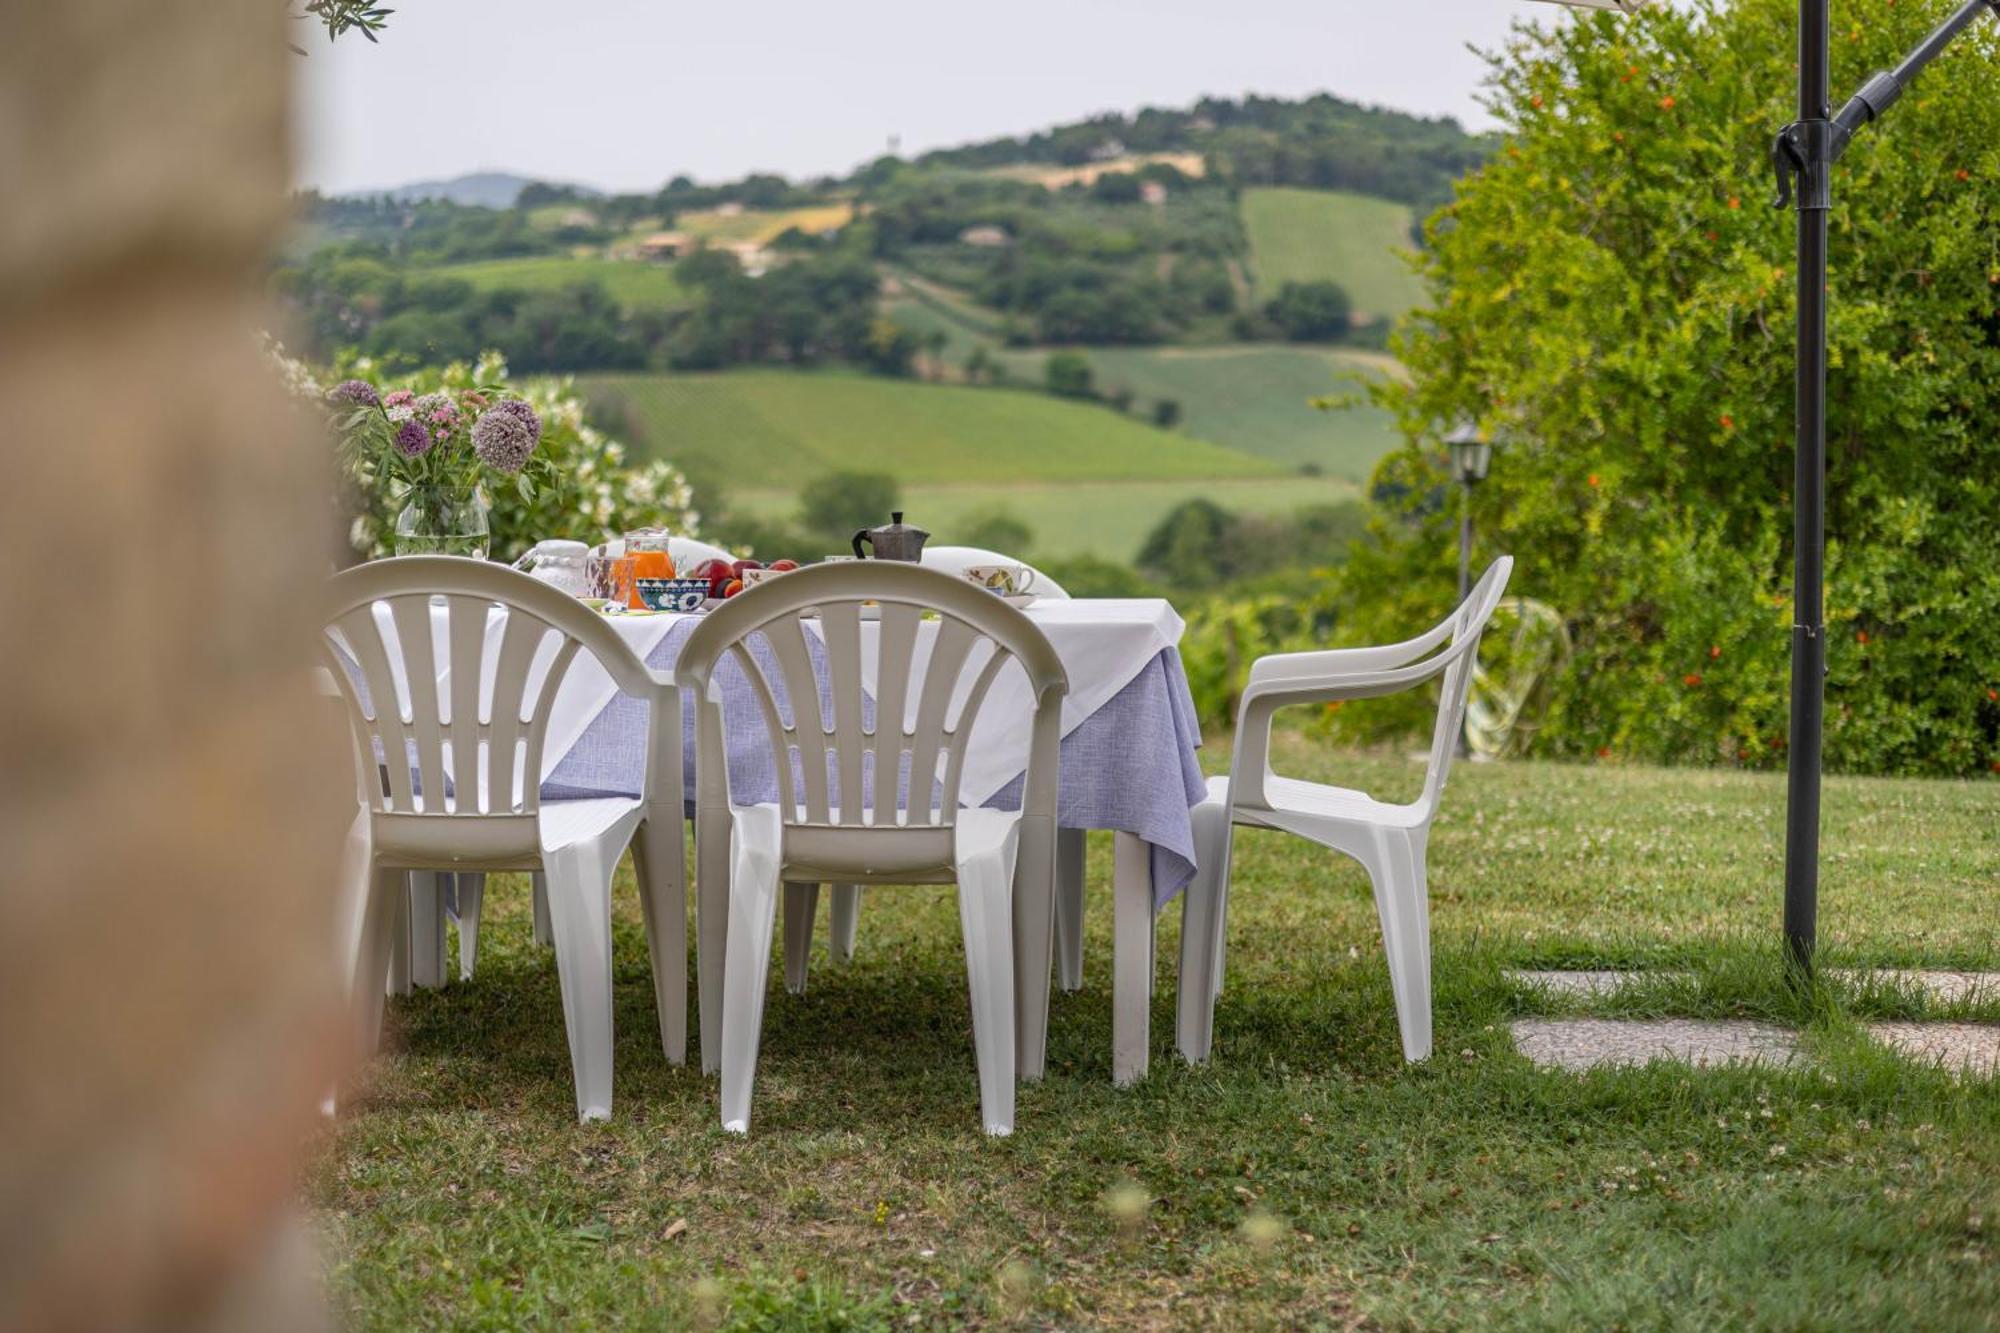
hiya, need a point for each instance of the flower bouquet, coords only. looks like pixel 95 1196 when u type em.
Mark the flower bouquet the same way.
pixel 437 449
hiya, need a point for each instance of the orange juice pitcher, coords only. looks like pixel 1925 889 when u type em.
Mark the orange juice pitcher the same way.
pixel 648 550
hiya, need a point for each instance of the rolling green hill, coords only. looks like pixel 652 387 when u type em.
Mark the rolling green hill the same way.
pixel 773 429
pixel 633 284
pixel 1250 397
pixel 1302 235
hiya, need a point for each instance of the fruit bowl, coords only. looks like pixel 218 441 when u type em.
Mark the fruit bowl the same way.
pixel 671 594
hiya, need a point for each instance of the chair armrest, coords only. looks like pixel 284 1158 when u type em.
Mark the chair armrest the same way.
pixel 1312 679
pixel 1331 663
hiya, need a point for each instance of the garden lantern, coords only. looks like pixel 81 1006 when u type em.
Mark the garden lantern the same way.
pixel 1803 157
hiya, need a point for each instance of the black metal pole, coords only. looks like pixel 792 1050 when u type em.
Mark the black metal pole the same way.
pixel 1802 811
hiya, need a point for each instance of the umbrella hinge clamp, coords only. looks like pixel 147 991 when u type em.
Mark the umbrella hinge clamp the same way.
pixel 1803 156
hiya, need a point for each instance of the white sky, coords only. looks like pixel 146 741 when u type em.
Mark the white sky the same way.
pixel 624 94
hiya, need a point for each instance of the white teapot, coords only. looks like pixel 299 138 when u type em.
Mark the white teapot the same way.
pixel 560 564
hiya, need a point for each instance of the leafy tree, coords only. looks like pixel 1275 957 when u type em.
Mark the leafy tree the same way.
pixel 1167 413
pixel 1185 548
pixel 1317 311
pixel 1611 296
pixel 997 528
pixel 835 506
pixel 1116 187
pixel 1068 375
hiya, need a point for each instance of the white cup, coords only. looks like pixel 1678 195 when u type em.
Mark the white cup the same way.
pixel 1006 580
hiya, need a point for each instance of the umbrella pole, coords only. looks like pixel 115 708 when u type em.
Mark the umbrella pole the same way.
pixel 1813 138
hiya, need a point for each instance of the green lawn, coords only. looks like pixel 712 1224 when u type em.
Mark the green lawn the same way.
pixel 1109 519
pixel 772 429
pixel 1306 1177
pixel 1302 235
pixel 634 284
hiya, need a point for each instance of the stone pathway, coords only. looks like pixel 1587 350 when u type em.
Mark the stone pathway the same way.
pixel 1589 1043
pixel 1945 987
pixel 1966 1048
pixel 1588 985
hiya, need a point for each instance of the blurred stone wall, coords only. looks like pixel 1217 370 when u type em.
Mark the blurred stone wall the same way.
pixel 169 804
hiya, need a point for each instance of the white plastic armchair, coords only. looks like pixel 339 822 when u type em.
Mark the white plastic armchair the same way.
pixel 841 816
pixel 844 914
pixel 1389 840
pixel 448 667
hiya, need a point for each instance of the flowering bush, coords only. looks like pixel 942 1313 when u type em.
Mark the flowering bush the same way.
pixel 580 486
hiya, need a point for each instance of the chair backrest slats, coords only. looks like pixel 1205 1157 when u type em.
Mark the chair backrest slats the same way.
pixel 1467 621
pixel 840 623
pixel 897 643
pixel 384 735
pixel 781 740
pixel 954 643
pixel 413 636
pixel 962 731
pixel 418 644
pixel 814 623
pixel 467 637
pixel 787 638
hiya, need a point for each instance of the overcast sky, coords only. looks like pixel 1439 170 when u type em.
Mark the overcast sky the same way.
pixel 624 94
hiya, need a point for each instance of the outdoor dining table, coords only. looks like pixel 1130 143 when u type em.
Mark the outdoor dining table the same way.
pixel 1128 765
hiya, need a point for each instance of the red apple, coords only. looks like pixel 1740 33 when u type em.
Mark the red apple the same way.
pixel 784 566
pixel 741 565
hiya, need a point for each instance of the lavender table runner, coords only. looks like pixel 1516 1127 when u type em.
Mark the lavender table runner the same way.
pixel 1129 766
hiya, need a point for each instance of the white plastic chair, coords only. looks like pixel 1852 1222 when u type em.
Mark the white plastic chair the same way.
pixel 448 667
pixel 844 912
pixel 1389 840
pixel 925 706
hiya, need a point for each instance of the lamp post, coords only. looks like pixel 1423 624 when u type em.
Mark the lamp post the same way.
pixel 1804 155
pixel 1471 458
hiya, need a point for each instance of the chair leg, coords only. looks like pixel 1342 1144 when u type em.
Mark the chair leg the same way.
pixel 801 905
pixel 427 969
pixel 1402 901
pixel 579 880
pixel 1202 921
pixel 843 916
pixel 712 855
pixel 544 933
pixel 659 857
pixel 398 975
pixel 1131 957
pixel 1071 846
pixel 753 907
pixel 986 918
pixel 381 913
pixel 471 902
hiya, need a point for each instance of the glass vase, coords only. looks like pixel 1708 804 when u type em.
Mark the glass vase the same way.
pixel 443 520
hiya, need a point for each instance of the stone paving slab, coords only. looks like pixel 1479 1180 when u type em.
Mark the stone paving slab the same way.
pixel 1590 1043
pixel 1946 987
pixel 1969 1048
pixel 1589 985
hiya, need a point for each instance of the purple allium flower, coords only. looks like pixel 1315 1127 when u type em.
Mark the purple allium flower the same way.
pixel 504 439
pixel 412 439
pixel 516 408
pixel 359 392
pixel 438 411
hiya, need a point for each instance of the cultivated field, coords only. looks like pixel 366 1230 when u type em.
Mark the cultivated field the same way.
pixel 765 429
pixel 1055 178
pixel 634 284
pixel 1302 235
